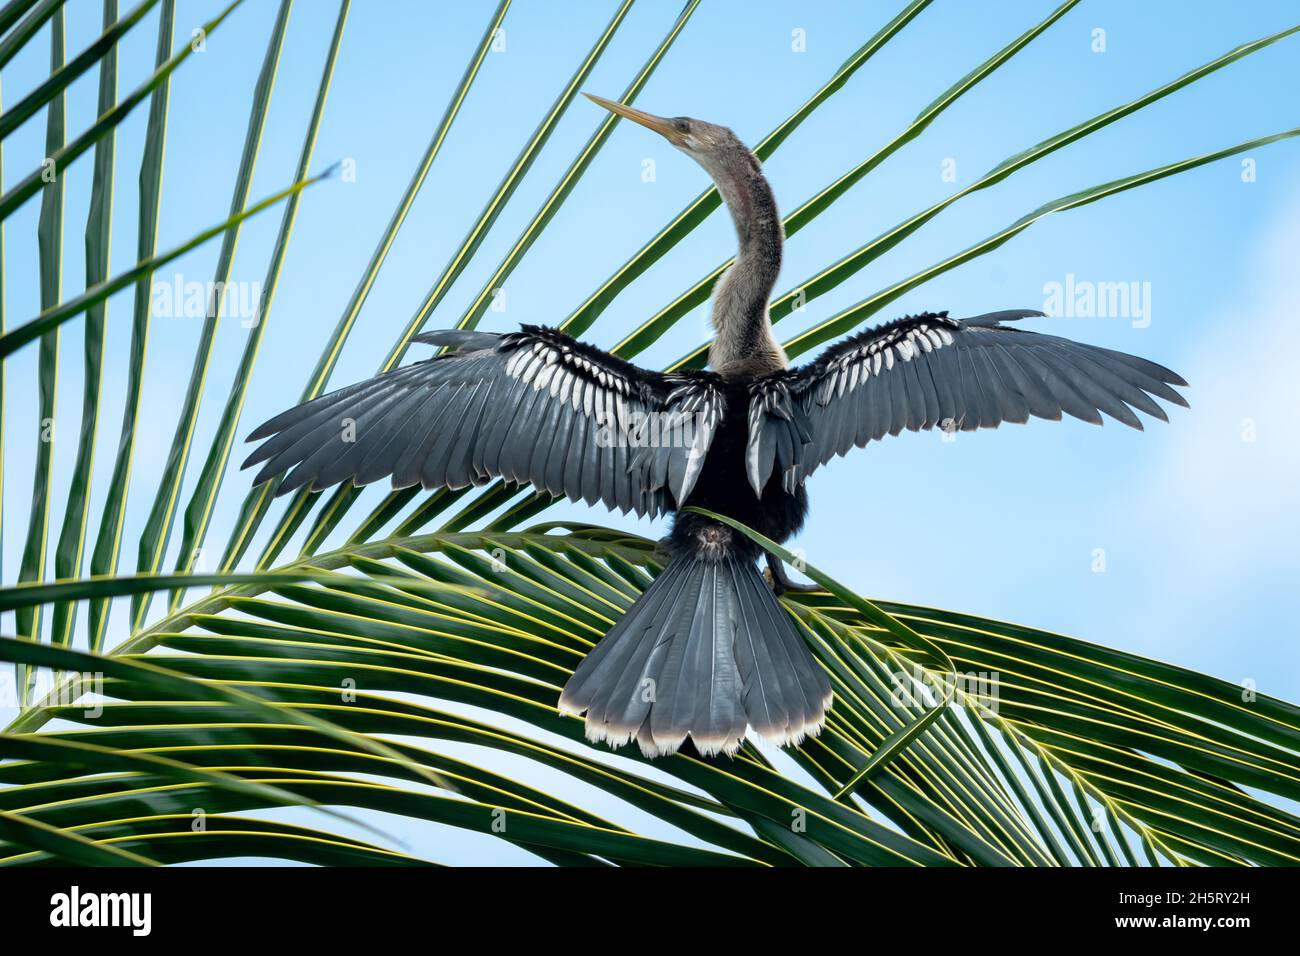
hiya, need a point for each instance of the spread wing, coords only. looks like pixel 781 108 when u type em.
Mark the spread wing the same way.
pixel 930 370
pixel 532 406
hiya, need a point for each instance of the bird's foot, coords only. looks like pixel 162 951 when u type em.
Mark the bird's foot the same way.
pixel 797 588
pixel 780 582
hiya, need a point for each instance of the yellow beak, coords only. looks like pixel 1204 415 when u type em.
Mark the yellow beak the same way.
pixel 657 123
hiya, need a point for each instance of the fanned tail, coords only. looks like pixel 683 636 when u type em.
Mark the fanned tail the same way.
pixel 704 652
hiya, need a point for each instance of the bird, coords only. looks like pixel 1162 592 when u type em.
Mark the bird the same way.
pixel 707 651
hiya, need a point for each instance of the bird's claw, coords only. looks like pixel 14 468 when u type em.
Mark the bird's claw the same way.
pixel 780 582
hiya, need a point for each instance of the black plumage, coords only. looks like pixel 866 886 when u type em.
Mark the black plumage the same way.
pixel 707 650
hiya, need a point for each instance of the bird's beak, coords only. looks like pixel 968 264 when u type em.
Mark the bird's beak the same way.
pixel 657 123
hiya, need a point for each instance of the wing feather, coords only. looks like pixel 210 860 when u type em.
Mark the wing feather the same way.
pixel 406 469
pixel 931 370
pixel 532 406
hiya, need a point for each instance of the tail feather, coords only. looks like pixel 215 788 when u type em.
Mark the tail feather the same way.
pixel 804 689
pixel 607 684
pixel 697 691
pixel 628 700
pixel 808 677
pixel 764 697
pixel 704 652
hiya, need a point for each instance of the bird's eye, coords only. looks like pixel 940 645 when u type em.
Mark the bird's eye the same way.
pixel 682 126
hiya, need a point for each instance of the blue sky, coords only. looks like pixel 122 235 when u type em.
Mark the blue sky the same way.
pixel 1195 518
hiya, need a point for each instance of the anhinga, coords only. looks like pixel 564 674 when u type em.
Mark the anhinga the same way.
pixel 707 649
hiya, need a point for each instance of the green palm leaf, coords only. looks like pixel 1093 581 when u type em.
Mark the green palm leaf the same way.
pixel 50 247
pixel 105 47
pixel 32 21
pixel 58 160
pixel 108 541
pixel 153 541
pixel 199 511
pixel 72 538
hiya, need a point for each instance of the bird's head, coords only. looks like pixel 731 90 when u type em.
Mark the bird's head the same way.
pixel 708 144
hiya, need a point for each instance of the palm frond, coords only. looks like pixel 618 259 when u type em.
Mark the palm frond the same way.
pixel 497 622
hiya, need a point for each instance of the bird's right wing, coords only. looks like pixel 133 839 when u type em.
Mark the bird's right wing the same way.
pixel 532 406
pixel 929 371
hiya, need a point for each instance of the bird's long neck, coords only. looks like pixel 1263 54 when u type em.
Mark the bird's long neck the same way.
pixel 743 344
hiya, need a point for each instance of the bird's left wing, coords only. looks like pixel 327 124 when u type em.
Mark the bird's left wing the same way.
pixel 532 406
pixel 930 370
